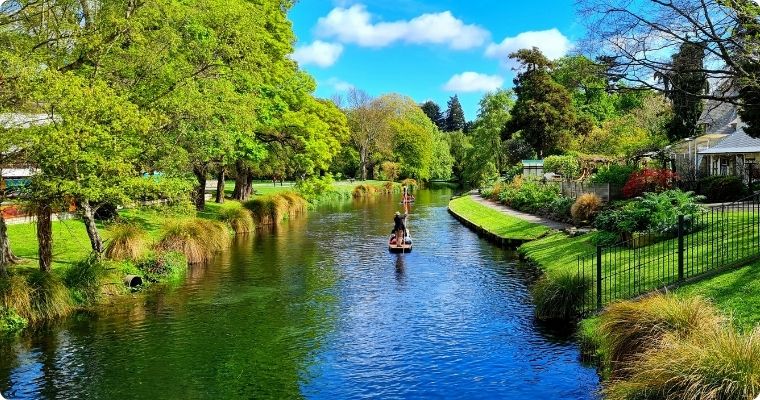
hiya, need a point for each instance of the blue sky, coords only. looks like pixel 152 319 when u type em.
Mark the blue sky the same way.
pixel 426 49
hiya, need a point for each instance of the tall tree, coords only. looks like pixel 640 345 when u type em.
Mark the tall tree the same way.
pixel 684 83
pixel 433 111
pixel 370 133
pixel 455 120
pixel 485 156
pixel 543 112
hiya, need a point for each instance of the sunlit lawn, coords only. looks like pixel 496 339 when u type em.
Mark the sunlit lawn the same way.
pixel 496 222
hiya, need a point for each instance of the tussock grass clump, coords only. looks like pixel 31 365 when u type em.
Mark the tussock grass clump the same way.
pixel 296 203
pixel 88 280
pixel 410 183
pixel 712 364
pixel 364 190
pixel 198 239
pixel 630 328
pixel 239 219
pixel 560 297
pixel 16 294
pixel 49 298
pixel 585 207
pixel 127 242
pixel 269 210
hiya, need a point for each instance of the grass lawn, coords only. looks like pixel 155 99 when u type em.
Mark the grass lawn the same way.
pixel 558 252
pixel 496 222
pixel 264 188
pixel 71 243
pixel 737 293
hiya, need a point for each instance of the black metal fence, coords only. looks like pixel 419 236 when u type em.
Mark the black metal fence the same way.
pixel 717 238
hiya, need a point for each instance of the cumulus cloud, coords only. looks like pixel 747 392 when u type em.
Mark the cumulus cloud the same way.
pixel 339 85
pixel 355 25
pixel 551 42
pixel 473 82
pixel 319 53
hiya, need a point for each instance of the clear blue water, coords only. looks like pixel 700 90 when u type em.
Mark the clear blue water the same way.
pixel 319 309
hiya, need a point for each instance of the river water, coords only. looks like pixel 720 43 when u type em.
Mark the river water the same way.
pixel 317 308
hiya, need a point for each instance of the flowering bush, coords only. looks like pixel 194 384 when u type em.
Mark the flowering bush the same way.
pixel 649 180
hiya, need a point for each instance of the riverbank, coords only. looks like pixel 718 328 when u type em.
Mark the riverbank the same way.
pixel 496 225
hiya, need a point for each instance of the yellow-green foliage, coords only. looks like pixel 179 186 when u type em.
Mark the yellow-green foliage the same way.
pixel 710 364
pixel 239 219
pixel 630 328
pixel 49 298
pixel 198 239
pixel 90 279
pixel 127 242
pixel 585 207
pixel 410 183
pixel 364 190
pixel 389 187
pixel 16 294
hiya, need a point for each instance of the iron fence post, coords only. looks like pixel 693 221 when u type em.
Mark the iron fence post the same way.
pixel 598 277
pixel 680 247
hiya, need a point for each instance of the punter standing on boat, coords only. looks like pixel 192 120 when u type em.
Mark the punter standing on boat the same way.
pixel 399 223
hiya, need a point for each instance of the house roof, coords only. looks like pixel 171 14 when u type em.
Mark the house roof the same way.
pixel 738 142
pixel 721 117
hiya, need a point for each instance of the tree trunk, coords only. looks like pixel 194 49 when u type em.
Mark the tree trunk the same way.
pixel 243 183
pixel 6 255
pixel 45 236
pixel 220 186
pixel 88 217
pixel 200 191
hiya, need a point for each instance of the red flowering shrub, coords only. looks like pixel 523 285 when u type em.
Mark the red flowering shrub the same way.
pixel 649 180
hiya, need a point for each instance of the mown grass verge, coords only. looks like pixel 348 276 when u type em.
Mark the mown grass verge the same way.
pixel 496 222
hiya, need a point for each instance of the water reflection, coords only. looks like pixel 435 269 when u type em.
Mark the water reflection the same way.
pixel 312 309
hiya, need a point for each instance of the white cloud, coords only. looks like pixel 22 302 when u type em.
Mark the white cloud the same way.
pixel 473 82
pixel 319 53
pixel 339 85
pixel 355 25
pixel 551 42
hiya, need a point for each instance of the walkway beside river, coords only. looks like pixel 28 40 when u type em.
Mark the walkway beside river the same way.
pixel 521 215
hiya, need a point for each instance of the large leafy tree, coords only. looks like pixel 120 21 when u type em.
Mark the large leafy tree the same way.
pixel 485 156
pixel 455 120
pixel 368 120
pixel 543 112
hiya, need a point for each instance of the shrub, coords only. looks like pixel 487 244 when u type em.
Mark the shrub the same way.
pixel 649 180
pixel 567 166
pixel 630 328
pixel 163 266
pixel 529 195
pixel 198 239
pixel 390 170
pixel 11 321
pixel 718 189
pixel 654 212
pixel 560 297
pixel 86 280
pixel 239 219
pixel 710 364
pixel 364 190
pixel 585 207
pixel 49 299
pixel 614 174
pixel 410 183
pixel 315 187
pixel 560 209
pixel 127 242
pixel 604 238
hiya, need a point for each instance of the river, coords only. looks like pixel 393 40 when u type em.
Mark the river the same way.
pixel 317 308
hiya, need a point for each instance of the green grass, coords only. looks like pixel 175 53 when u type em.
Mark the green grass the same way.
pixel 736 293
pixel 496 222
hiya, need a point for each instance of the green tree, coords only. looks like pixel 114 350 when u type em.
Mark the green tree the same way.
pixel 486 156
pixel 543 112
pixel 433 111
pixel 588 85
pixel 442 162
pixel 684 83
pixel 459 146
pixel 455 120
